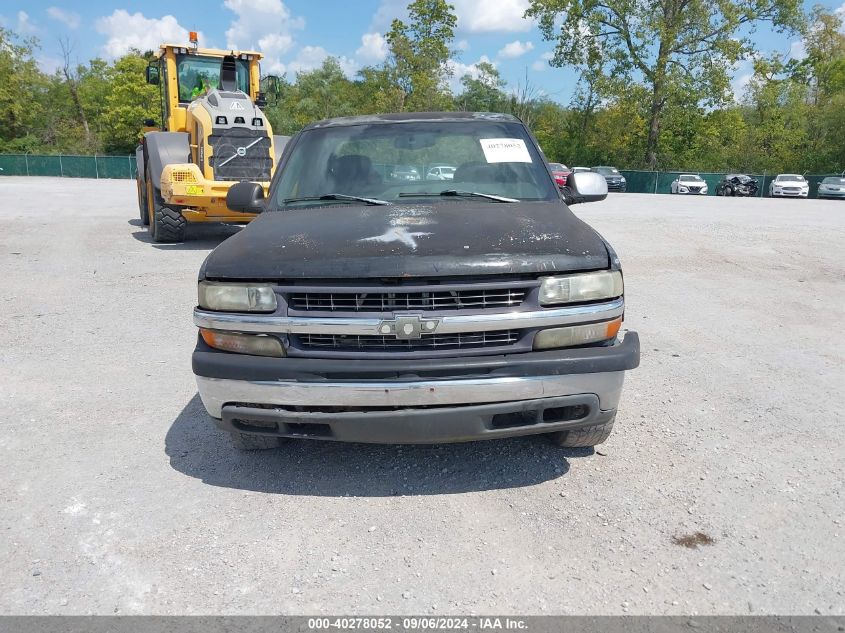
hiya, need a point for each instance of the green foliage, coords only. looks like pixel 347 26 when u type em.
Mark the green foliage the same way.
pixel 484 93
pixel 419 54
pixel 679 51
pixel 632 108
pixel 22 87
pixel 128 103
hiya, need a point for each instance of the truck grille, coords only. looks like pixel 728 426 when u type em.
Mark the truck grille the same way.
pixel 383 301
pixel 240 154
pixel 375 343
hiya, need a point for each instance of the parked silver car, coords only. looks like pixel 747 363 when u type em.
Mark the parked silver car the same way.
pixel 832 187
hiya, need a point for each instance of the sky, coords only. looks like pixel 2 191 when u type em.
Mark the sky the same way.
pixel 297 35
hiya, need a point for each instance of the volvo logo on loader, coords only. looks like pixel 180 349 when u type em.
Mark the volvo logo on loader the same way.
pixel 408 327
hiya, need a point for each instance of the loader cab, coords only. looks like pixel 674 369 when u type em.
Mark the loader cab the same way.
pixel 185 73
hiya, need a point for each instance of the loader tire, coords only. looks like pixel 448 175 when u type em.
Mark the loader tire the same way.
pixel 142 203
pixel 585 437
pixel 169 225
pixel 252 442
pixel 152 200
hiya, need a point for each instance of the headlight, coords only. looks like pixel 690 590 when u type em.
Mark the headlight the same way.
pixel 576 335
pixel 235 297
pixel 254 344
pixel 605 284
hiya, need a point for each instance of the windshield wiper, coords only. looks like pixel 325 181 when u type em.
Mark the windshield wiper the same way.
pixel 337 196
pixel 460 194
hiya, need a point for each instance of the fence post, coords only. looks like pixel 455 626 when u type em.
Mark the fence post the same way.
pixel 656 178
pixel 26 162
pixel 96 169
pixel 763 184
pixel 61 169
pixel 129 160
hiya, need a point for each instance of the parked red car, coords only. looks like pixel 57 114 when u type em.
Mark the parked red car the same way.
pixel 560 172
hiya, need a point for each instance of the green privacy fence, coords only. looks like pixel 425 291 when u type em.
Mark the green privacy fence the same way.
pixel 661 181
pixel 124 167
pixel 68 166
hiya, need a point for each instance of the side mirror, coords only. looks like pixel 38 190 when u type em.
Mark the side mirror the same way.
pixel 153 74
pixel 246 197
pixel 586 186
pixel 260 100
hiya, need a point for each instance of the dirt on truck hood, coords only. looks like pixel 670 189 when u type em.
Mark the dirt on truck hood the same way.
pixel 442 239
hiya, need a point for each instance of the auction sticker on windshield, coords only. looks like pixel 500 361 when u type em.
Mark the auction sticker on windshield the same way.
pixel 505 150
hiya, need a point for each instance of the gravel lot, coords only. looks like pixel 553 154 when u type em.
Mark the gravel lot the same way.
pixel 117 495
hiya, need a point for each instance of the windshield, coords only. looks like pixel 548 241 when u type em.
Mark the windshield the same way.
pixel 557 166
pixel 690 178
pixel 790 177
pixel 398 161
pixel 606 171
pixel 197 76
pixel 834 181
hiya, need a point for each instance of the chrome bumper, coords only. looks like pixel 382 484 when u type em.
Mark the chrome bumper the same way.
pixel 217 392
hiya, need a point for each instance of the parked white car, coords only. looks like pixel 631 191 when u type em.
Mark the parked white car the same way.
pixel 689 184
pixel 440 172
pixel 791 185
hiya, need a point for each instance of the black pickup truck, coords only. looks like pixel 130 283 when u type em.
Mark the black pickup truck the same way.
pixel 363 307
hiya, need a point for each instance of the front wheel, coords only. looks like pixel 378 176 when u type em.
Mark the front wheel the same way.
pixel 584 437
pixel 169 225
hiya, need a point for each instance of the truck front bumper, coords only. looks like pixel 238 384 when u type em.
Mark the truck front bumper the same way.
pixel 422 401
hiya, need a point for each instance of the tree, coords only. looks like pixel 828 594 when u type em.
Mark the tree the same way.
pixel 660 45
pixel 483 93
pixel 22 87
pixel 71 76
pixel 129 103
pixel 419 54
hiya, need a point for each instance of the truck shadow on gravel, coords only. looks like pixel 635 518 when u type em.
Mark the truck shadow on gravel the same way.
pixel 332 469
pixel 200 237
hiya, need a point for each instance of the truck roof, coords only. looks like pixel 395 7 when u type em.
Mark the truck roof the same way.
pixel 408 117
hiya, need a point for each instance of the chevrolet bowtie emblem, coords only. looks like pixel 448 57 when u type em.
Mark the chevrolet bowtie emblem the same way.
pixel 408 327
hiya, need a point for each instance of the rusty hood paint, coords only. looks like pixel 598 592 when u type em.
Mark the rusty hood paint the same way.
pixel 444 238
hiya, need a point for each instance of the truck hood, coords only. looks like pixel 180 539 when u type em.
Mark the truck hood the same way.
pixel 409 240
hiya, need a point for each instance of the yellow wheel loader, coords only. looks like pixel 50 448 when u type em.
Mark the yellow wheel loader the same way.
pixel 214 136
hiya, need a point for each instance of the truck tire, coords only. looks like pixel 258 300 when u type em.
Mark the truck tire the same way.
pixel 587 436
pixel 169 225
pixel 252 442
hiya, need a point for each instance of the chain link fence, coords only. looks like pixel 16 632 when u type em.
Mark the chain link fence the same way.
pixel 661 181
pixel 68 166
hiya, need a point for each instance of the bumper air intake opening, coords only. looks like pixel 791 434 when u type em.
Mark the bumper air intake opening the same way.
pixel 308 429
pixel 513 419
pixel 565 414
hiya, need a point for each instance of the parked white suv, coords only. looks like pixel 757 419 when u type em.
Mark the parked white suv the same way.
pixel 792 185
